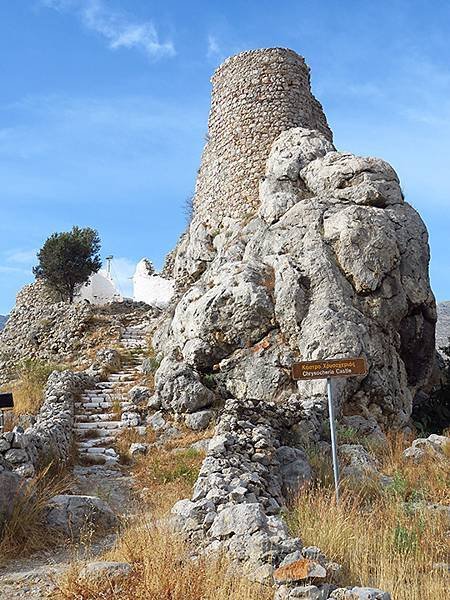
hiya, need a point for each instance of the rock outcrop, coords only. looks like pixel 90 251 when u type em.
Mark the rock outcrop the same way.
pixel 41 327
pixel 3 319
pixel 332 262
pixel 443 325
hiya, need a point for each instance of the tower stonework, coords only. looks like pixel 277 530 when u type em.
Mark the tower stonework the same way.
pixel 255 96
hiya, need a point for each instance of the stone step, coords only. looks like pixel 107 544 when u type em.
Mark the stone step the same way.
pixel 107 451
pixel 105 385
pixel 99 425
pixel 97 433
pixel 92 407
pixel 99 459
pixel 97 442
pixel 94 417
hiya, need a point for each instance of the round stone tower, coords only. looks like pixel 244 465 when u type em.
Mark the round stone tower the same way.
pixel 255 96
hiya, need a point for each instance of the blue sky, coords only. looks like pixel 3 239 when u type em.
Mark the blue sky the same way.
pixel 104 106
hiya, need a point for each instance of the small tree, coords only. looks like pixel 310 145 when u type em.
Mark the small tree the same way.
pixel 68 259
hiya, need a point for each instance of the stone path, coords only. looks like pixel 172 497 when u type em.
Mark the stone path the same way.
pixel 100 415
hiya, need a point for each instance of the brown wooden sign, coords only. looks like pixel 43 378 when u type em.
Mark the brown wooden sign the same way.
pixel 323 369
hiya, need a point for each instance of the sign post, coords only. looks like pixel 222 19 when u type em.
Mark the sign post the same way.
pixel 333 438
pixel 327 369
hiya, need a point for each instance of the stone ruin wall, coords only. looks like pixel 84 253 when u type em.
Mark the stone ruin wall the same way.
pixel 255 96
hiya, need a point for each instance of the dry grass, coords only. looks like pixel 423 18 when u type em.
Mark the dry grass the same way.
pixel 163 570
pixel 162 564
pixel 166 476
pixel 24 531
pixel 130 436
pixel 383 537
pixel 28 389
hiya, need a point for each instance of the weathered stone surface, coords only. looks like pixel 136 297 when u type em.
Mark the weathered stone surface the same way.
pixel 199 420
pixel 74 515
pixel 209 324
pixel 179 388
pixel 238 519
pixel 137 449
pixel 303 592
pixel 443 325
pixel 431 447
pixel 157 421
pixel 9 488
pixel 343 270
pixel 360 593
pixel 106 361
pixel 294 468
pixel 139 394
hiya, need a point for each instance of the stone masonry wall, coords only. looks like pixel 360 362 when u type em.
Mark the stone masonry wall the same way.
pixel 51 436
pixel 255 96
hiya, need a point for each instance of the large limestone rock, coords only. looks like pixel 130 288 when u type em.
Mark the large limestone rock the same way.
pixel 77 515
pixel 334 263
pixel 10 484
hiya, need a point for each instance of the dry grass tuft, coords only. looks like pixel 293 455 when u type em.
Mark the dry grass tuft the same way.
pixel 383 537
pixel 28 389
pixel 25 532
pixel 130 436
pixel 166 476
pixel 163 569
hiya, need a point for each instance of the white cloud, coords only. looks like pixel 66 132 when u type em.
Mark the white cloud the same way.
pixel 115 27
pixel 213 47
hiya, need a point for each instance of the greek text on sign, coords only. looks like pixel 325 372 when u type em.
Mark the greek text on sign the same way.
pixel 322 369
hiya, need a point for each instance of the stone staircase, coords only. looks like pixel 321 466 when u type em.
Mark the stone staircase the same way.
pixel 98 414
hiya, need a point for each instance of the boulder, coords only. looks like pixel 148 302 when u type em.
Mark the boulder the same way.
pixel 199 420
pixel 137 449
pixel 238 519
pixel 157 421
pixel 179 388
pixel 421 448
pixel 139 394
pixel 295 469
pixel 73 515
pixel 303 592
pixel 10 484
pixel 335 263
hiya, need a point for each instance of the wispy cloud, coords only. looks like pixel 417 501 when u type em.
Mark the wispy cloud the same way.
pixel 21 257
pixel 213 47
pixel 117 28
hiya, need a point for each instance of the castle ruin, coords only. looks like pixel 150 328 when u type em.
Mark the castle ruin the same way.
pixel 255 96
